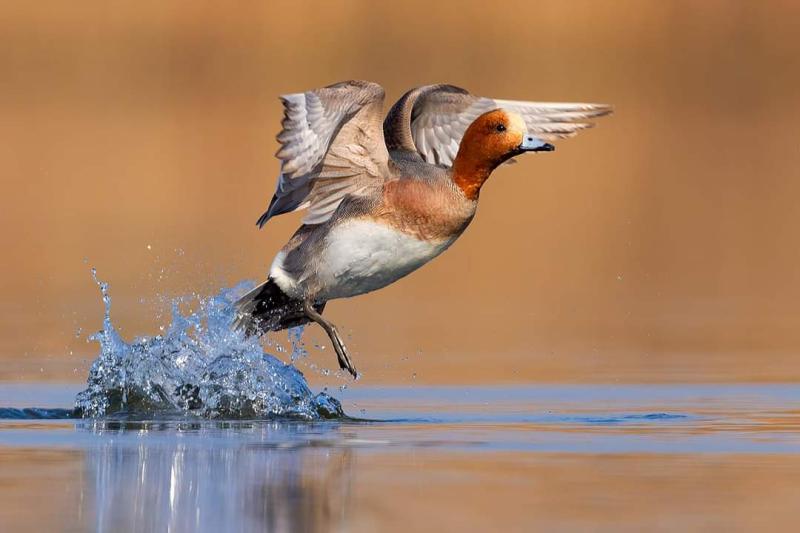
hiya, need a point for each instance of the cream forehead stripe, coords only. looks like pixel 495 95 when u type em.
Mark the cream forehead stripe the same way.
pixel 515 122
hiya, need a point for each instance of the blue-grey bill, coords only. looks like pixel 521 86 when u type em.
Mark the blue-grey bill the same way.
pixel 534 144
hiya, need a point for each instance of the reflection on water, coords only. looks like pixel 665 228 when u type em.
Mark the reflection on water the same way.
pixel 609 458
pixel 202 485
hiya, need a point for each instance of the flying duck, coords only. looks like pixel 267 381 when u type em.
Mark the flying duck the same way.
pixel 384 197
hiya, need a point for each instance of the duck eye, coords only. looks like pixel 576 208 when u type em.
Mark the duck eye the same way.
pixel 501 127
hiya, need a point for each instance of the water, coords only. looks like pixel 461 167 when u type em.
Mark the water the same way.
pixel 200 429
pixel 555 458
pixel 200 366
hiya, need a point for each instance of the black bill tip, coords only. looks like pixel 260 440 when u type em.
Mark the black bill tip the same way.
pixel 546 147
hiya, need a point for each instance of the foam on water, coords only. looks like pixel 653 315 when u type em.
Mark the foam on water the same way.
pixel 199 366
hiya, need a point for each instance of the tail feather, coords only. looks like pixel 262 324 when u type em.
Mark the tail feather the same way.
pixel 268 308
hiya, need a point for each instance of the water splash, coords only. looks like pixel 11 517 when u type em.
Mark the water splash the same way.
pixel 199 366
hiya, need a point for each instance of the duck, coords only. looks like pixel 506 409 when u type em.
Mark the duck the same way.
pixel 384 196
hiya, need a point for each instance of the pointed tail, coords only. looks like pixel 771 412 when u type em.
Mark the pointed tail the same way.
pixel 268 308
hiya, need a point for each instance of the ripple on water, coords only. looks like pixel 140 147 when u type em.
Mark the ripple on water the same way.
pixel 35 413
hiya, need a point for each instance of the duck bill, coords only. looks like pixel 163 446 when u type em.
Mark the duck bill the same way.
pixel 534 144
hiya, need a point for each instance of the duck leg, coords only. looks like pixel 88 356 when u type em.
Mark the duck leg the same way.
pixel 333 334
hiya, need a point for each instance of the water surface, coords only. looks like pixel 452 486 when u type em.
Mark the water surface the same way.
pixel 615 458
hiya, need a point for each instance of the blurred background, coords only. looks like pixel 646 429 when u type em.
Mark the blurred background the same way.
pixel 138 138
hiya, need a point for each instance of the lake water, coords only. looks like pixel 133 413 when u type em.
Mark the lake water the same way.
pixel 553 458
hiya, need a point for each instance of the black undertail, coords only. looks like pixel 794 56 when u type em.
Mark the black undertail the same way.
pixel 268 308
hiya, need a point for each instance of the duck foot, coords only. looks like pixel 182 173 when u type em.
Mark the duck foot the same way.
pixel 333 334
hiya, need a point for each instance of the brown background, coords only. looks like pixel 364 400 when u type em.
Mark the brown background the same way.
pixel 659 247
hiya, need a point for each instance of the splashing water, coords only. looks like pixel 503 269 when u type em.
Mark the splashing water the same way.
pixel 199 366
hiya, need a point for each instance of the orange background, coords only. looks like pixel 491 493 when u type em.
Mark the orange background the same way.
pixel 139 137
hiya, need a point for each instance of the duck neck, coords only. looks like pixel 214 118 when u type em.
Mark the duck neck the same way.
pixel 471 172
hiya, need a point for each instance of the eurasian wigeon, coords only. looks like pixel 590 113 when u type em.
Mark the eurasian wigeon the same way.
pixel 384 197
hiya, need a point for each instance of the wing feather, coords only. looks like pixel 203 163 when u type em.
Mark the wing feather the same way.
pixel 332 145
pixel 441 115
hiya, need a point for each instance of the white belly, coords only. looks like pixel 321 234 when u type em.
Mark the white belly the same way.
pixel 362 256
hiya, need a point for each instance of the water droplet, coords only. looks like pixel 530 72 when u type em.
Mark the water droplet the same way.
pixel 198 365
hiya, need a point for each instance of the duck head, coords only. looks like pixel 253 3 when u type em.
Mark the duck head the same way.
pixel 493 138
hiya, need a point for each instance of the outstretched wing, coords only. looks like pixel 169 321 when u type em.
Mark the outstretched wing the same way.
pixel 440 114
pixel 331 146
